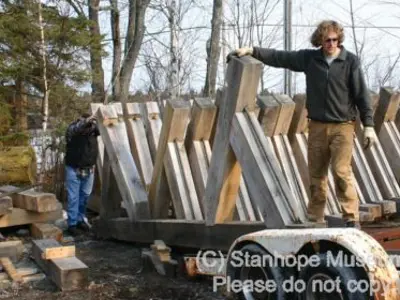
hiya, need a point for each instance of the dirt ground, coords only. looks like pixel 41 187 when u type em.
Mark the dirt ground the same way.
pixel 115 272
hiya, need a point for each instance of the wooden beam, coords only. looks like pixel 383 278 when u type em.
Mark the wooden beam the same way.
pixel 11 249
pixel 218 100
pixel 397 120
pixel 285 154
pixel 20 216
pixel 109 204
pixel 202 120
pixel 387 137
pixel 35 201
pixel 111 198
pixel 58 252
pixel 10 269
pixel 299 121
pixel 378 161
pixel 6 205
pixel 387 108
pixel 67 273
pixel 364 176
pixel 46 231
pixel 153 124
pixel 260 168
pixel 176 233
pixel 269 113
pixel 197 141
pixel 170 155
pixel 100 158
pixel 287 107
pixel 180 179
pixel 290 171
pixel 123 165
pixel 138 143
pixel 243 76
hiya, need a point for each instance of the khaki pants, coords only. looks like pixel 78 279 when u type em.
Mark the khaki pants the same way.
pixel 331 143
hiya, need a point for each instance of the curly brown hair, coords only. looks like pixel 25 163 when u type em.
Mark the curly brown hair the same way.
pixel 318 36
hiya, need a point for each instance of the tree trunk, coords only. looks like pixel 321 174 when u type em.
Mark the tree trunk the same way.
pixel 98 94
pixel 116 36
pixel 20 104
pixel 134 38
pixel 214 50
pixel 174 63
pixel 45 101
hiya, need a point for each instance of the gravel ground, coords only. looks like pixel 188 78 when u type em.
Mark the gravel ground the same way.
pixel 115 272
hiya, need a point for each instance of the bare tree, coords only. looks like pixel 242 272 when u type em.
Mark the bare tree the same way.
pixel 176 68
pixel 248 21
pixel 213 49
pixel 174 64
pixel 98 89
pixel 134 38
pixel 117 53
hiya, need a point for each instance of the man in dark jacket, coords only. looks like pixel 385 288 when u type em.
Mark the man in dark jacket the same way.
pixel 336 93
pixel 80 160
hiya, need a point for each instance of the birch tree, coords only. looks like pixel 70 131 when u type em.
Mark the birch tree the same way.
pixel 168 53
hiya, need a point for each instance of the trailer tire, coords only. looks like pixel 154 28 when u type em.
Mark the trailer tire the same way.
pixel 271 273
pixel 325 270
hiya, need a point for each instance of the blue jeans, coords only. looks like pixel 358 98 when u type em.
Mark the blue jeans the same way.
pixel 79 188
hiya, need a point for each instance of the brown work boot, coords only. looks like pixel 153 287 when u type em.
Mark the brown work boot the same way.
pixel 353 224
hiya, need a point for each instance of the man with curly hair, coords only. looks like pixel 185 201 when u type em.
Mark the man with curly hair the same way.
pixel 336 93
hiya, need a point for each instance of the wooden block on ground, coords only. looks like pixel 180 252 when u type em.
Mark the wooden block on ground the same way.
pixel 10 269
pixel 152 262
pixel 3 276
pixel 35 201
pixel 160 249
pixel 20 216
pixel 46 231
pixel 11 249
pixel 27 271
pixel 33 278
pixel 67 273
pixel 58 252
pixel 6 205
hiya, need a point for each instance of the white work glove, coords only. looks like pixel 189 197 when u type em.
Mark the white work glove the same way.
pixel 244 51
pixel 240 52
pixel 369 137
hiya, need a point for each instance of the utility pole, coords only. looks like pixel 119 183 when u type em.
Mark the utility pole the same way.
pixel 287 44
